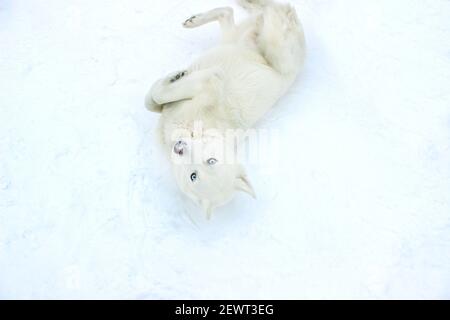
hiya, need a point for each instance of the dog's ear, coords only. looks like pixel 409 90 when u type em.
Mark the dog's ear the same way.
pixel 243 184
pixel 206 205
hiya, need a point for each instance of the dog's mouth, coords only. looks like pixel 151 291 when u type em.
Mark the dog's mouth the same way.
pixel 180 147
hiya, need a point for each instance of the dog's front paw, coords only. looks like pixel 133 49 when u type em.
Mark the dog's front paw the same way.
pixel 151 105
pixel 177 76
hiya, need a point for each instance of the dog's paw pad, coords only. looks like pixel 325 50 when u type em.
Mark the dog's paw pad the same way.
pixel 191 22
pixel 178 76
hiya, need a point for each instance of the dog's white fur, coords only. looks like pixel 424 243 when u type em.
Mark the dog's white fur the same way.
pixel 231 86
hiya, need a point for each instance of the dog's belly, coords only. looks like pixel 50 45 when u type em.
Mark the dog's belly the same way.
pixel 250 86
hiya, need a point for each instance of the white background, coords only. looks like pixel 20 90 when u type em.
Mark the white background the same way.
pixel 358 206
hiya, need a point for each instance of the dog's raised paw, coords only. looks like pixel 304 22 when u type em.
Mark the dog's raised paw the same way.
pixel 191 22
pixel 177 76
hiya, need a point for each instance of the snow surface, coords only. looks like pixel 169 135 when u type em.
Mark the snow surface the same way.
pixel 358 205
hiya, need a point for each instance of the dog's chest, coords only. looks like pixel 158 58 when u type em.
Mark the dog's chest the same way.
pixel 250 87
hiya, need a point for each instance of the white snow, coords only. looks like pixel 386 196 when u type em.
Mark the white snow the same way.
pixel 358 205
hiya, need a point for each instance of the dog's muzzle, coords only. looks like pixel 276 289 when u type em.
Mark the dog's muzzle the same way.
pixel 180 147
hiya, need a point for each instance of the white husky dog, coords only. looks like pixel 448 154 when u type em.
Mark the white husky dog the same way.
pixel 230 87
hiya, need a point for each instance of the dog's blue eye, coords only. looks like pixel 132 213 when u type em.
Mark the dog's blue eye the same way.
pixel 211 161
pixel 193 176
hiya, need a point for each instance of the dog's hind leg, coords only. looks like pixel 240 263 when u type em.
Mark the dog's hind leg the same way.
pixel 280 38
pixel 254 5
pixel 224 16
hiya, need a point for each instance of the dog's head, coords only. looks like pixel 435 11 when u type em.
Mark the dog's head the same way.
pixel 205 175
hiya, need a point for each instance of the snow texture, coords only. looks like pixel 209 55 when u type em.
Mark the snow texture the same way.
pixel 357 206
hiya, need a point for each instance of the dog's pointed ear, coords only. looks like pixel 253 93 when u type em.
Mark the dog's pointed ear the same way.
pixel 243 184
pixel 207 207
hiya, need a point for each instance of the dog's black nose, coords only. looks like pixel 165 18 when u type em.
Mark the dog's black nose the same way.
pixel 179 147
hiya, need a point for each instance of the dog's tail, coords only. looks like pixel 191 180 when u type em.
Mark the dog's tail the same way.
pixel 254 5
